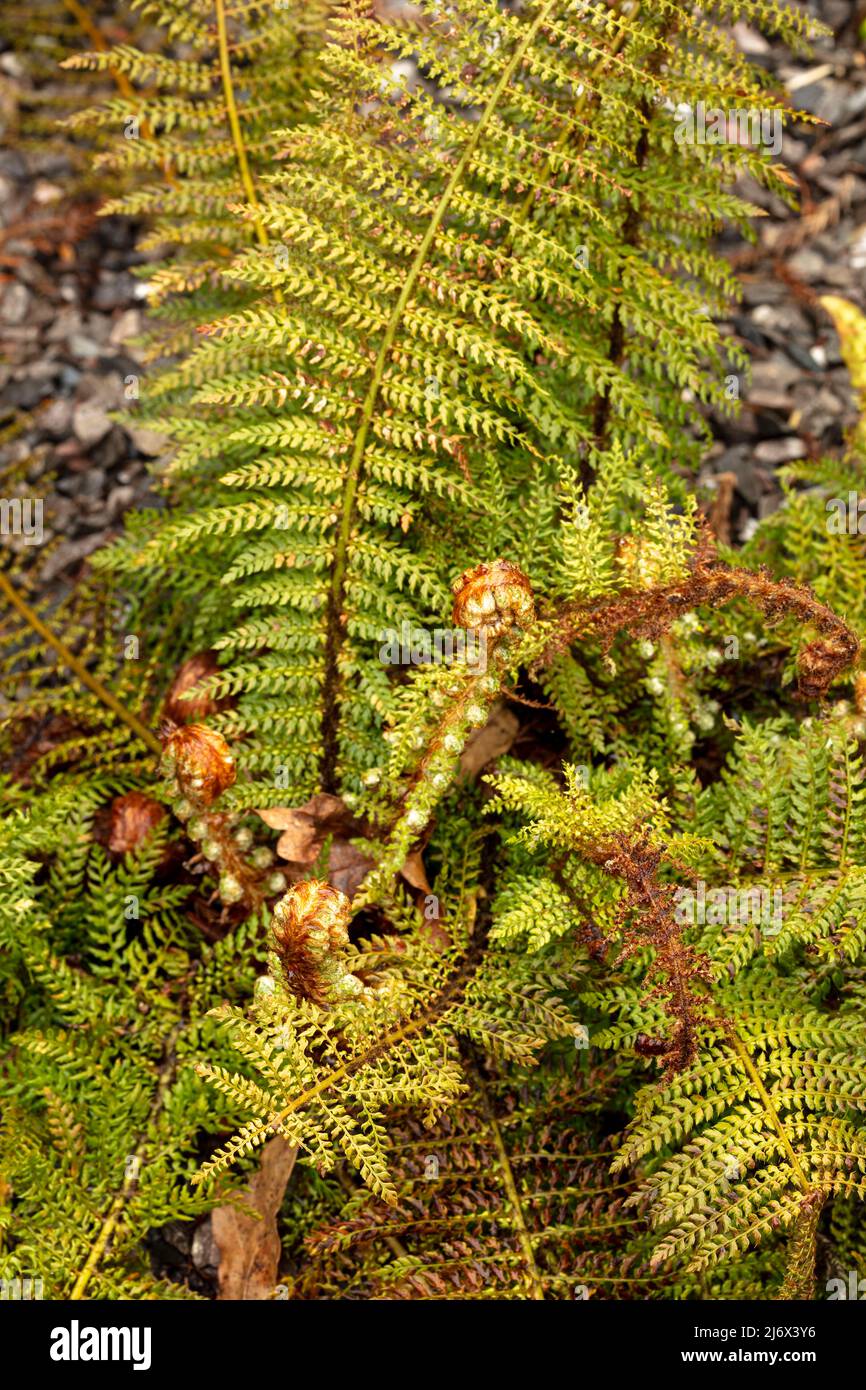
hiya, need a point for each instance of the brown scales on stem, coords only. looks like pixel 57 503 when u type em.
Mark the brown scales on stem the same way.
pixel 647 917
pixel 711 583
pixel 799 1281
pixel 647 914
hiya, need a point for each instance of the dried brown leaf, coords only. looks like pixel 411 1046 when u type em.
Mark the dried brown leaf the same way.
pixel 305 828
pixel 248 1239
pixel 180 705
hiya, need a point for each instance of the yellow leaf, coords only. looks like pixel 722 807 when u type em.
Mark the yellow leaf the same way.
pixel 850 324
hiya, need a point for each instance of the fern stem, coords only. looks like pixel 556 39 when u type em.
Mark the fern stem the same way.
pixel 849 800
pixel 121 81
pixel 578 109
pixel 335 616
pixel 90 28
pixel 631 230
pixel 98 1249
pixel 754 1075
pixel 101 692
pixel 533 1276
pixel 234 121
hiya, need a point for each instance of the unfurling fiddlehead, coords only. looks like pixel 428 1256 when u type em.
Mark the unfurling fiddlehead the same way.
pixel 649 612
pixel 199 767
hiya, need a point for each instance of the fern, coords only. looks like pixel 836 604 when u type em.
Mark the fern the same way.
pixel 103 1004
pixel 760 1124
pixel 325 1074
pixel 406 327
pixel 455 334
pixel 509 1196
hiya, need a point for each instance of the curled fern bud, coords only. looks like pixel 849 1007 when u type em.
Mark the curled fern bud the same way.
pixel 200 761
pixel 310 928
pixel 493 598
pixel 820 662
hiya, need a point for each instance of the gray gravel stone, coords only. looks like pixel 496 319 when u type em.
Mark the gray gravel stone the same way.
pixel 15 303
pixel 91 423
pixel 776 451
